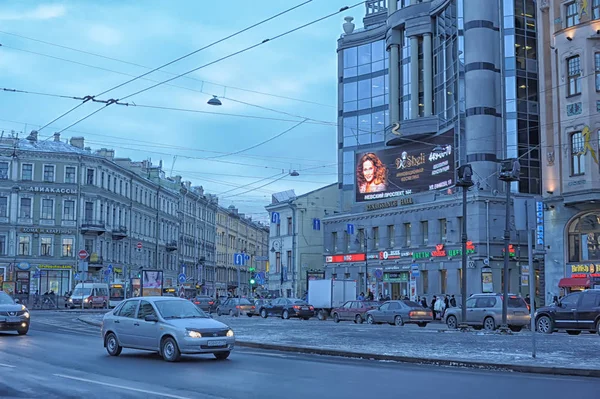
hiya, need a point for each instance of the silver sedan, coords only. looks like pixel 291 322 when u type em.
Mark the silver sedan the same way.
pixel 170 326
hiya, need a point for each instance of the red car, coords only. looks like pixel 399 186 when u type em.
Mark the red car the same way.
pixel 353 310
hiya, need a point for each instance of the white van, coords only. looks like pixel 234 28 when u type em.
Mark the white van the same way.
pixel 93 295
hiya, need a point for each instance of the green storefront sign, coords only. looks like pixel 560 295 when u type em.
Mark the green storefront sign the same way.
pixel 395 277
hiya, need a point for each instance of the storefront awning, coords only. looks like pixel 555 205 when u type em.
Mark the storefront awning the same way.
pixel 571 282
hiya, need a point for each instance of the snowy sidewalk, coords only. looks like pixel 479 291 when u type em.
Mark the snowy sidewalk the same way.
pixel 435 342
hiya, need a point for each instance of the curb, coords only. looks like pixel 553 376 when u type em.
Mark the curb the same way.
pixel 412 360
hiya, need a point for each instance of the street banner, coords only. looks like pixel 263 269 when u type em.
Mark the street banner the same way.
pixel 152 282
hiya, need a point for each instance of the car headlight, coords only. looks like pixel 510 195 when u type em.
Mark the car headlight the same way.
pixel 71 300
pixel 193 334
pixel 26 314
pixel 230 333
pixel 23 307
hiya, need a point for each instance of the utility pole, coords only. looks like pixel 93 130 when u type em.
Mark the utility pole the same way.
pixel 465 180
pixel 366 261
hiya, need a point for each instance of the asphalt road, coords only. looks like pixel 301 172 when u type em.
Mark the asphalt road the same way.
pixel 61 358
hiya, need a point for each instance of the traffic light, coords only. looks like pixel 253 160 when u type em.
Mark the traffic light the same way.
pixel 252 281
pixel 251 269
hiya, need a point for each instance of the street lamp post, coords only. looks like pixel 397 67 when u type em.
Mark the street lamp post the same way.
pixel 465 180
pixel 509 172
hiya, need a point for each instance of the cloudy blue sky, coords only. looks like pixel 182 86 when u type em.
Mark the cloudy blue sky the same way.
pixel 301 65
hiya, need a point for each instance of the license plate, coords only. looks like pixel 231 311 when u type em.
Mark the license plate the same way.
pixel 13 319
pixel 217 343
pixel 305 308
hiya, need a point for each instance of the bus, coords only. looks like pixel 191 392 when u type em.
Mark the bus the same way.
pixel 117 294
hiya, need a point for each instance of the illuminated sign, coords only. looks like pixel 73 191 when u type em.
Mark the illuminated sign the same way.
pixel 382 205
pixel 441 252
pixel 589 268
pixel 390 255
pixel 345 258
pixel 54 267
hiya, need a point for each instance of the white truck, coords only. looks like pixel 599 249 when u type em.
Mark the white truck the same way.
pixel 328 294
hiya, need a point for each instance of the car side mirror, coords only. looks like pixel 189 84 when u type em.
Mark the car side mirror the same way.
pixel 17 300
pixel 151 317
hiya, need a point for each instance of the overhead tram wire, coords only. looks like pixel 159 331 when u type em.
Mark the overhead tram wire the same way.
pixel 147 67
pixel 215 61
pixel 172 62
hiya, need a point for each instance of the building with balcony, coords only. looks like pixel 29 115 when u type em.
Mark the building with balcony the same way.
pixel 296 238
pixel 242 244
pixel 424 87
pixel 569 48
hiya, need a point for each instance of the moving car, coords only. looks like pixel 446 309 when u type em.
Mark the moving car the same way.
pixel 204 302
pixel 485 311
pixel 400 313
pixel 576 312
pixel 13 315
pixel 354 311
pixel 286 308
pixel 92 294
pixel 169 326
pixel 236 307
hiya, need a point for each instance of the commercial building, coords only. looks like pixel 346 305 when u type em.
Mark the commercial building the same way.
pixel 242 245
pixel 569 48
pixel 296 238
pixel 424 87
pixel 58 198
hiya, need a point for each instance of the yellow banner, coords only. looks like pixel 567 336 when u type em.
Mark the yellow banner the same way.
pixel 54 267
pixel 267 266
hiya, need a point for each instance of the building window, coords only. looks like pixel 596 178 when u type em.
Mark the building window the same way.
pixel 596 9
pixel 391 233
pixel 572 14
pixel 574 75
pixel 361 239
pixel 3 207
pixel 289 261
pixel 67 247
pixel 334 241
pixel 68 210
pixel 278 229
pixel 584 238
pixel 47 209
pixel 27 172
pixel 277 262
pixel 89 211
pixel 46 246
pixel 70 174
pixel 577 154
pixel 425 232
pixel 375 237
pixel 407 234
pixel 3 170
pixel 49 173
pixel 443 230
pixel 425 280
pixel 2 245
pixel 24 245
pixel 443 280
pixel 89 176
pixel 597 69
pixel 25 208
pixel 289 226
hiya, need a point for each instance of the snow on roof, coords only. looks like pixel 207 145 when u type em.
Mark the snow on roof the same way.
pixel 283 196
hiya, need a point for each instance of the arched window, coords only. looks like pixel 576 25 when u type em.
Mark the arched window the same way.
pixel 584 238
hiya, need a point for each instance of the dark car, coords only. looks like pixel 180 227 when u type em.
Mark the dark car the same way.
pixel 576 312
pixel 400 313
pixel 259 304
pixel 204 302
pixel 354 311
pixel 13 315
pixel 236 307
pixel 286 308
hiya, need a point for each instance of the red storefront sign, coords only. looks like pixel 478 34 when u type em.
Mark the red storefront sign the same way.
pixel 345 258
pixel 439 251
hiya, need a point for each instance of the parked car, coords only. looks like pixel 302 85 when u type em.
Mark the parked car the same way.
pixel 400 313
pixel 286 308
pixel 169 326
pixel 236 307
pixel 576 312
pixel 485 311
pixel 354 310
pixel 258 304
pixel 204 302
pixel 13 315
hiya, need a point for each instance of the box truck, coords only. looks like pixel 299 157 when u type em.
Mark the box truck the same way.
pixel 328 294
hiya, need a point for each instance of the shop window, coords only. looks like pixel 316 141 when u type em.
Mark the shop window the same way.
pixel 574 75
pixel 584 238
pixel 27 172
pixel 572 14
pixel 577 154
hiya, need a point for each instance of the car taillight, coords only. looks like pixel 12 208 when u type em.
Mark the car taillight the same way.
pixel 238 307
pixel 296 307
pixel 253 307
pixel 211 303
pixel 528 307
pixel 197 303
pixel 411 314
pixel 312 308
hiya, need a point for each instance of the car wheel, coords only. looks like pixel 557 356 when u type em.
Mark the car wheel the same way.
pixel 112 345
pixel 285 315
pixel 515 328
pixel 489 324
pixel 306 318
pixel 263 313
pixel 218 312
pixel 23 331
pixel 169 350
pixel 544 325
pixel 451 322
pixel 573 332
pixel 222 355
pixel 422 325
pixel 398 321
pixel 598 327
pixel 358 319
pixel 336 318
pixel 370 319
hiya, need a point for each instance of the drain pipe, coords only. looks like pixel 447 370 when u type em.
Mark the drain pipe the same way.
pixel 487 234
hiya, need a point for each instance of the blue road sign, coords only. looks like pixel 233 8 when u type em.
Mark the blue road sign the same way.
pixel 181 278
pixel 378 274
pixel 275 217
pixel 110 268
pixel 259 278
pixel 240 259
pixel 414 270
pixel 77 276
pixel 316 224
pixel 350 228
pixel 107 272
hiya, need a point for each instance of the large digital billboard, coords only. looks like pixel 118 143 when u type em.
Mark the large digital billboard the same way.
pixel 406 169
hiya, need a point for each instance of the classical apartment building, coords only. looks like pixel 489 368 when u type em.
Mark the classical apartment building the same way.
pixel 569 64
pixel 239 234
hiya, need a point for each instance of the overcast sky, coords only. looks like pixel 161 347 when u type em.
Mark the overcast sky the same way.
pixel 301 65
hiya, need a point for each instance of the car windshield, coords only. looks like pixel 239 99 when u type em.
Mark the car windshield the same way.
pixel 367 304
pixel 5 299
pixel 516 302
pixel 82 292
pixel 179 309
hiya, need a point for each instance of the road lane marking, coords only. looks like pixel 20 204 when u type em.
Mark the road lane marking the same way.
pixel 8 365
pixel 165 395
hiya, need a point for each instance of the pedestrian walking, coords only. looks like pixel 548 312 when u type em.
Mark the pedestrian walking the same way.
pixel 424 302
pixel 433 307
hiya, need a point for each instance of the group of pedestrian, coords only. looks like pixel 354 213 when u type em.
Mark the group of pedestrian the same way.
pixel 368 297
pixel 438 305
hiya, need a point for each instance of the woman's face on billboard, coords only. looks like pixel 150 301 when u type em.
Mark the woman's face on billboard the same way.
pixel 368 171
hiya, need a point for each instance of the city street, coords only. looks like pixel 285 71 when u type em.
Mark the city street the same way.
pixel 64 358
